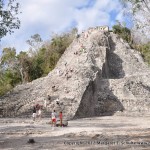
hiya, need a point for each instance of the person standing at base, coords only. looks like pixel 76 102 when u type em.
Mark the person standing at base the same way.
pixel 60 116
pixel 34 113
pixel 40 113
pixel 53 116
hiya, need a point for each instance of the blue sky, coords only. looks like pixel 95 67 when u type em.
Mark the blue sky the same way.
pixel 56 16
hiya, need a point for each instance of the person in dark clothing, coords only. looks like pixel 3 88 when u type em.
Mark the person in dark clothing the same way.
pixel 49 97
pixel 61 117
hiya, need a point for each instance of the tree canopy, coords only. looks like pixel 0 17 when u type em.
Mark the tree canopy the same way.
pixel 9 20
pixel 26 66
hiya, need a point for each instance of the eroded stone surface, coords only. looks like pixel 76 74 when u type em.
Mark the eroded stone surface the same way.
pixel 99 74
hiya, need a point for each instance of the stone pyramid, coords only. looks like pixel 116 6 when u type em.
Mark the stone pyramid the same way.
pixel 99 74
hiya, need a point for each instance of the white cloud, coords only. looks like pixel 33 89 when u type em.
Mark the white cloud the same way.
pixel 90 17
pixel 47 16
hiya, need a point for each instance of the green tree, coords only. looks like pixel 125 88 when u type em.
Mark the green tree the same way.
pixel 9 75
pixel 8 17
pixel 145 51
pixel 24 66
pixel 35 43
pixel 123 32
pixel 36 71
pixel 8 59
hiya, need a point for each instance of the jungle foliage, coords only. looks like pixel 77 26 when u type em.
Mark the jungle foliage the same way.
pixel 41 58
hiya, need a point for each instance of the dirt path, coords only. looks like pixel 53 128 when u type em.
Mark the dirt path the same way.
pixel 105 133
